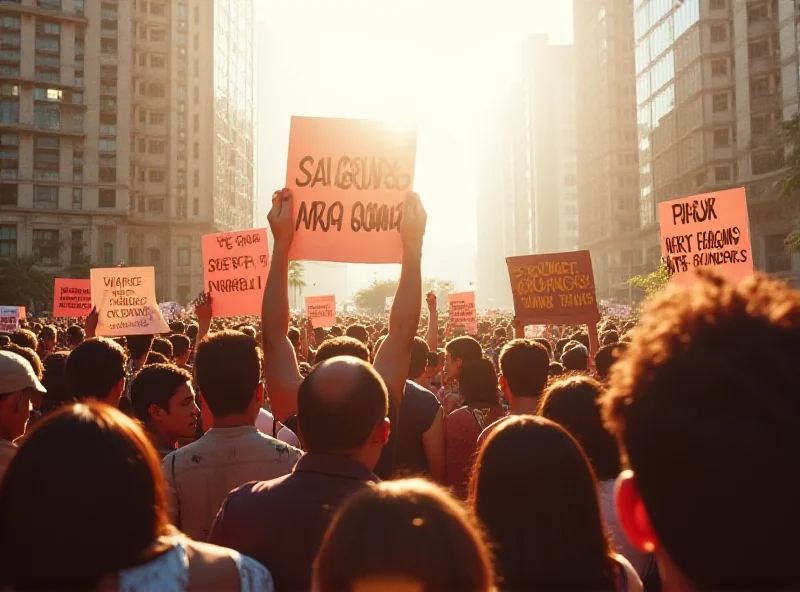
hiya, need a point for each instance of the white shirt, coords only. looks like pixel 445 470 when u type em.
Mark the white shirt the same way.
pixel 265 422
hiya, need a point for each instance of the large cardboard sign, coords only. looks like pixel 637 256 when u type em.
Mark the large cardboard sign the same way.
pixel 72 298
pixel 349 179
pixel 125 299
pixel 708 230
pixel 9 319
pixel 235 268
pixel 321 310
pixel 462 313
pixel 556 288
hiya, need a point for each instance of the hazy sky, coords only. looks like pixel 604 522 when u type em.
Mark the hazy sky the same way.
pixel 435 62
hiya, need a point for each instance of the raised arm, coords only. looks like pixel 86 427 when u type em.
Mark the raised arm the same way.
pixel 394 355
pixel 280 364
pixel 433 323
pixel 204 314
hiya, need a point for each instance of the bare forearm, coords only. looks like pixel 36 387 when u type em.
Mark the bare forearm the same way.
pixel 275 306
pixel 404 317
pixel 433 329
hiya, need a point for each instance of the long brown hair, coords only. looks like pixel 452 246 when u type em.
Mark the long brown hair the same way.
pixel 411 529
pixel 534 492
pixel 83 498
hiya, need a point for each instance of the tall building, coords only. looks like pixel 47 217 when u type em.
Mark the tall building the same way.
pixel 715 80
pixel 127 132
pixel 526 167
pixel 607 147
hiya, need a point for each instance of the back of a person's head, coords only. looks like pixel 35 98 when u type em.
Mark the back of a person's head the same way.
pixel 432 360
pixel 705 405
pixel 54 381
pixel 464 348
pixel 155 385
pixel 24 338
pixel 336 331
pixel 320 335
pixel 94 368
pixel 180 344
pixel 177 327
pixel 419 358
pixel 30 355
pixel 609 337
pixel 524 364
pixel 228 367
pixel 549 535
pixel 248 330
pixel 294 336
pixel 339 404
pixel 358 332
pixel 139 345
pixel 48 332
pixel 84 476
pixel 408 531
pixel 191 332
pixel 155 358
pixel 545 343
pixel 606 356
pixel 573 403
pixel 341 346
pixel 162 346
pixel 560 344
pixel 581 337
pixel 575 359
pixel 478 384
pixel 75 335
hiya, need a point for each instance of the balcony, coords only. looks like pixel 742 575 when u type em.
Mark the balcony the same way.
pixel 762 27
pixel 44 9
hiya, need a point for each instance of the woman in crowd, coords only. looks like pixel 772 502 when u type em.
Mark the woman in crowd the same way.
pixel 534 492
pixel 573 404
pixel 398 536
pixel 481 407
pixel 82 507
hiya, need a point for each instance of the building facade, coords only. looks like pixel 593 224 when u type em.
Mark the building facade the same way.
pixel 715 80
pixel 127 132
pixel 607 147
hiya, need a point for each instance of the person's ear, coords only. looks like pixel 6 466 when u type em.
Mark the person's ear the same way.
pixel 380 435
pixel 260 394
pixel 503 385
pixel 632 514
pixel 155 412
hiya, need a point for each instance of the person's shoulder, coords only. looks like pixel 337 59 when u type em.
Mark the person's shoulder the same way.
pixel 279 446
pixel 219 568
pixel 417 393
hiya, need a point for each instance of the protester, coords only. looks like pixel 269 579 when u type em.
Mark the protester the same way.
pixel 342 407
pixel 163 347
pixel 575 357
pixel 48 338
pixel 228 370
pixel 182 351
pixel 74 336
pixel 55 382
pixel 18 383
pixel 96 370
pixel 82 507
pixel 25 338
pixel 163 399
pixel 459 351
pixel 404 535
pixel 605 358
pixel 705 406
pixel 534 492
pixel 464 425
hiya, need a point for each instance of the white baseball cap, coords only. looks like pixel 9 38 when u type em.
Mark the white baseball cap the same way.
pixel 16 374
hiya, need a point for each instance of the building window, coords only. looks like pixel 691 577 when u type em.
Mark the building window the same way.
pixel 156 90
pixel 9 156
pixel 47 94
pixel 196 150
pixel 155 205
pixel 719 33
pixel 76 247
pixel 757 12
pixel 196 207
pixel 158 35
pixel 47 116
pixel 776 257
pixel 107 198
pixel 155 256
pixel 156 147
pixel 108 45
pixel 106 145
pixel 759 87
pixel 107 174
pixel 156 175
pixel 8 240
pixel 157 61
pixel 108 254
pixel 157 117
pixel 9 111
pixel 766 162
pixel 722 137
pixel 196 68
pixel 717 4
pixel 196 123
pixel 108 124
pixel 157 8
pixel 760 125
pixel 719 67
pixel 8 194
pixel 722 173
pixel 77 198
pixel 45 197
pixel 45 246
pixel 720 102
pixel 196 178
pixel 758 49
pixel 183 257
pixel 77 165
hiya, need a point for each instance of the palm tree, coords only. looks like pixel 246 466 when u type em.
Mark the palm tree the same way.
pixel 296 280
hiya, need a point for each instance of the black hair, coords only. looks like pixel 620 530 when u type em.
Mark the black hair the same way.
pixel 156 384
pixel 341 346
pixel 419 357
pixel 94 368
pixel 228 368
pixel 525 364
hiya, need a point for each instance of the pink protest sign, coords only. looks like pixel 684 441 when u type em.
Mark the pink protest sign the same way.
pixel 321 310
pixel 461 309
pixel 72 298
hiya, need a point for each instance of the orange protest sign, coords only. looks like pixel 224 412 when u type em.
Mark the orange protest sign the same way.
pixel 235 266
pixel 556 288
pixel 23 313
pixel 349 179
pixel 125 299
pixel 708 230
pixel 321 310
pixel 461 310
pixel 72 298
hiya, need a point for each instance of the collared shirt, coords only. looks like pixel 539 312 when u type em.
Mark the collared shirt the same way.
pixel 200 475
pixel 281 522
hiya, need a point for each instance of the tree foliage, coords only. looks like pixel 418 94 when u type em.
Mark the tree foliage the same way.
pixel 653 282
pixel 22 283
pixel 373 297
pixel 296 280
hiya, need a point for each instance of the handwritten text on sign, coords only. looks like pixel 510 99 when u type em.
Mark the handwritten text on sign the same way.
pixel 9 319
pixel 235 266
pixel 706 230
pixel 125 299
pixel 461 310
pixel 349 179
pixel 321 310
pixel 553 288
pixel 72 298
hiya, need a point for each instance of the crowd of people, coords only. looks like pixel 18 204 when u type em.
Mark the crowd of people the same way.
pixel 389 454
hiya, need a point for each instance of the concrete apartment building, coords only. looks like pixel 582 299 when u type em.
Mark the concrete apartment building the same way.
pixel 607 147
pixel 127 132
pixel 715 79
